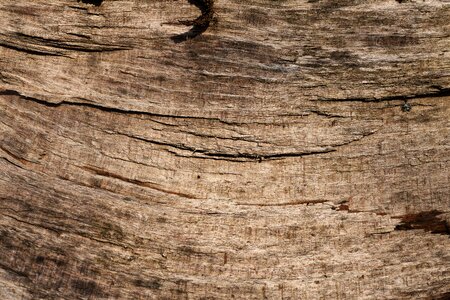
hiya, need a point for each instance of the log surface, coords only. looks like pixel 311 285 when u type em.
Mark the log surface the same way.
pixel 293 150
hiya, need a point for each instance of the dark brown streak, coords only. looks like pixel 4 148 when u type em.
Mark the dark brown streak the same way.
pixel 426 220
pixel 200 24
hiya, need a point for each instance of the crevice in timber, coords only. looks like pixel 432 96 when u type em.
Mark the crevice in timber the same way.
pixel 441 92
pixel 325 114
pixel 344 206
pixel 13 163
pixel 260 157
pixel 9 92
pixel 229 156
pixel 18 158
pixel 203 153
pixel 243 157
pixel 299 202
pixel 30 51
pixel 34 43
pixel 56 231
pixel 183 147
pixel 151 185
pixel 9 269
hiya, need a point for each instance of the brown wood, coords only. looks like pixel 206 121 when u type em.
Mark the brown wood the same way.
pixel 287 150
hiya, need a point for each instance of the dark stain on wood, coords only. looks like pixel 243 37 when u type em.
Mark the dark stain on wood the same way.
pixel 112 232
pixel 343 207
pixel 86 288
pixel 445 296
pixel 255 17
pixel 161 220
pixel 390 41
pixel 153 284
pixel 39 259
pixel 5 240
pixel 200 24
pixel 42 260
pixel 427 220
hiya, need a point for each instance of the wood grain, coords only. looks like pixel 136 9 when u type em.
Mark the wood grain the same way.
pixel 292 150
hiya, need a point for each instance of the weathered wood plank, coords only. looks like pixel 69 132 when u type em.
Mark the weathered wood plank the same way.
pixel 293 150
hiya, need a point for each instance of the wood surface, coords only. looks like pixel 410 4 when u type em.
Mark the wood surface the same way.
pixel 285 149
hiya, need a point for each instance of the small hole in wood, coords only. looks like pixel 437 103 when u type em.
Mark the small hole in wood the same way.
pixel 406 107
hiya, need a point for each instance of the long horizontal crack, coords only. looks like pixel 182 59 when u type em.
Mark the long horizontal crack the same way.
pixel 9 92
pixel 135 181
pixel 13 163
pixel 441 92
pixel 30 51
pixel 16 157
pixel 203 153
pixel 230 156
pixel 35 42
pixel 14 271
pixel 56 231
pixel 298 202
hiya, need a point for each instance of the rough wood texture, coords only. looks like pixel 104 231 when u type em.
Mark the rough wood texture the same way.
pixel 294 150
